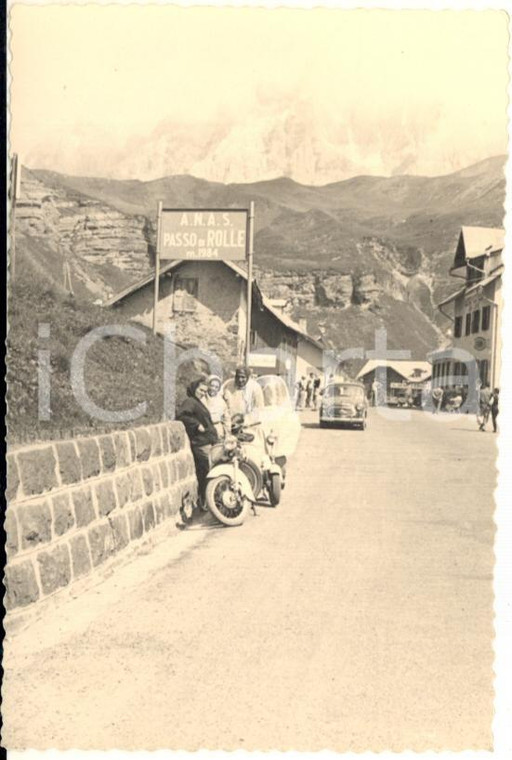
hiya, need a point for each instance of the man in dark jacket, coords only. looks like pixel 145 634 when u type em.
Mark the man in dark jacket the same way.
pixel 200 430
pixel 495 408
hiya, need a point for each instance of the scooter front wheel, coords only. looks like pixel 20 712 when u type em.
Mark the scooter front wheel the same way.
pixel 274 490
pixel 228 506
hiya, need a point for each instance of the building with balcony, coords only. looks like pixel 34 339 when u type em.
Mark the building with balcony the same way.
pixel 475 311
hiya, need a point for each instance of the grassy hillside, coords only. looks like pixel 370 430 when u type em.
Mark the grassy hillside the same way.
pixel 406 328
pixel 119 373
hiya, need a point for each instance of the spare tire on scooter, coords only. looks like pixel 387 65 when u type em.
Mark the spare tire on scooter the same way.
pixel 253 474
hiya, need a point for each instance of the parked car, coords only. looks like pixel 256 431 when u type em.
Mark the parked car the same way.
pixel 344 403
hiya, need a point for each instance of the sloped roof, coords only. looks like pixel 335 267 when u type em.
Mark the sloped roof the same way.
pixel 450 298
pixel 266 302
pixel 481 283
pixel 477 241
pixel 473 288
pixel 405 368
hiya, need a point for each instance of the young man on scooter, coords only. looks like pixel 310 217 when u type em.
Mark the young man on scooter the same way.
pixel 244 396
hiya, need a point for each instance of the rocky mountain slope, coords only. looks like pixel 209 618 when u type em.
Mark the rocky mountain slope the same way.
pixel 368 251
pixel 273 137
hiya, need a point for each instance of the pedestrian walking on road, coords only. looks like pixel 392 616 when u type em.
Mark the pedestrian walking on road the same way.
pixel 437 398
pixel 310 386
pixel 316 391
pixel 484 403
pixel 200 429
pixel 495 408
pixel 375 393
pixel 301 393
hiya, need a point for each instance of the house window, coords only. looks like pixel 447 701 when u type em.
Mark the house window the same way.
pixel 186 290
pixel 486 317
pixel 468 323
pixel 475 323
pixel 475 269
pixel 457 328
pixel 483 367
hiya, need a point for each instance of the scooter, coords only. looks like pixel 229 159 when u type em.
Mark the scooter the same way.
pixel 265 471
pixel 274 471
pixel 229 495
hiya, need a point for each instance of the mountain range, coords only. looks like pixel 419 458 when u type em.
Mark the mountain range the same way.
pixel 365 251
pixel 272 137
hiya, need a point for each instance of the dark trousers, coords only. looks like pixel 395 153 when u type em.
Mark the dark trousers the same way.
pixel 202 463
pixel 494 413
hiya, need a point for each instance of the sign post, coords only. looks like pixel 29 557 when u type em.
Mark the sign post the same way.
pixel 157 263
pixel 249 284
pixel 14 193
pixel 198 234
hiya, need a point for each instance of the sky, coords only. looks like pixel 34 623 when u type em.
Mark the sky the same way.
pixel 87 80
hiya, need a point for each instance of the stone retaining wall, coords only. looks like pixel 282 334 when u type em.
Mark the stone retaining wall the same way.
pixel 72 505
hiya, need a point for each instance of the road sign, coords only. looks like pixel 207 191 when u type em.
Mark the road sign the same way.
pixel 267 361
pixel 204 234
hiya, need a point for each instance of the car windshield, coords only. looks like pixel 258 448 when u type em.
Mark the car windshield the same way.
pixel 275 392
pixel 350 392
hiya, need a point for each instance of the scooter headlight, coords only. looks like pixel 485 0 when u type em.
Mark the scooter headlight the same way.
pixel 271 439
pixel 230 444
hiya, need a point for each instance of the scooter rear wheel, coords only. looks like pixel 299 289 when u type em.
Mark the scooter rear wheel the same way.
pixel 229 507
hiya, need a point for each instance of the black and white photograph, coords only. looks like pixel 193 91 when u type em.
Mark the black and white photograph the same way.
pixel 257 398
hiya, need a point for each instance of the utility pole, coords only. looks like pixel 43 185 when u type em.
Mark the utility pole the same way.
pixel 13 194
pixel 249 284
pixel 157 265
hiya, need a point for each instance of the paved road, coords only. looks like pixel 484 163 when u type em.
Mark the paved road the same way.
pixel 358 615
